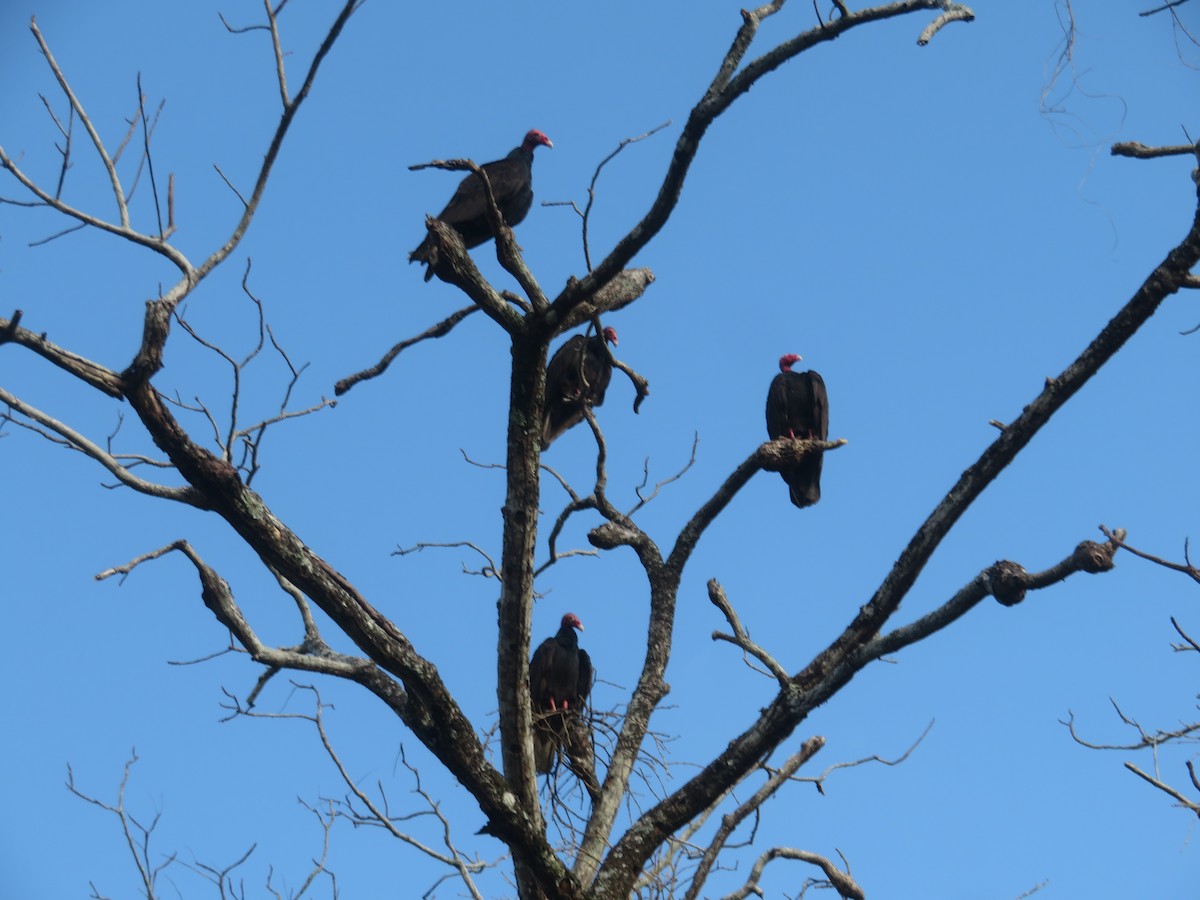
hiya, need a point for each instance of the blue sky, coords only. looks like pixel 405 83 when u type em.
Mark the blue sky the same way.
pixel 927 231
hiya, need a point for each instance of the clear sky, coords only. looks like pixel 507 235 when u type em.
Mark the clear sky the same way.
pixel 936 230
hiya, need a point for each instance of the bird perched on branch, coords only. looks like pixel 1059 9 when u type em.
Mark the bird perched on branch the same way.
pixel 798 407
pixel 577 375
pixel 560 679
pixel 512 186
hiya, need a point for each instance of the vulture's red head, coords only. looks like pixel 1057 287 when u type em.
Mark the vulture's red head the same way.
pixel 535 139
pixel 610 335
pixel 788 360
pixel 571 620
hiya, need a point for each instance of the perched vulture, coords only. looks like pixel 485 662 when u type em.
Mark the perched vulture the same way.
pixel 560 679
pixel 578 373
pixel 512 185
pixel 798 407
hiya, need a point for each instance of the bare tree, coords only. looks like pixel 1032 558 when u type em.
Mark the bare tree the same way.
pixel 211 467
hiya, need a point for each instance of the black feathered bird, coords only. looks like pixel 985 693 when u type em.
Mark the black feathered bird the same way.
pixel 578 373
pixel 560 679
pixel 798 407
pixel 512 185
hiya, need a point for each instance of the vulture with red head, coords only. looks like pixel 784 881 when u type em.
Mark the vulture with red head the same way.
pixel 560 679
pixel 577 374
pixel 512 185
pixel 798 407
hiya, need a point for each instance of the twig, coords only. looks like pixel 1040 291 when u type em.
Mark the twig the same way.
pixel 65 150
pixel 1145 740
pixel 280 71
pixel 441 329
pixel 185 494
pixel 1118 538
pixel 118 193
pixel 488 571
pixel 149 158
pixel 643 499
pixel 1165 788
pixel 740 637
pixel 380 816
pixel 1158 9
pixel 275 14
pixel 139 846
pixel 585 215
pixel 818 781
pixel 219 876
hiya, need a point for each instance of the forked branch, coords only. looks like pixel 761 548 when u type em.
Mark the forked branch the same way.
pixel 137 836
pixel 731 81
pixel 730 822
pixel 741 637
pixel 76 441
pixel 361 809
pixel 840 881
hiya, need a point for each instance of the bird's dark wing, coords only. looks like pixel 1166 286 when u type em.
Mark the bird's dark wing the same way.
pixel 777 407
pixel 597 370
pixel 562 391
pixel 819 405
pixel 540 673
pixel 510 179
pixel 562 372
pixel 584 680
pixel 512 185
pixel 578 361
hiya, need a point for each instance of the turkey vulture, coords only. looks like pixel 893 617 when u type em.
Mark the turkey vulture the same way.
pixel 798 407
pixel 512 185
pixel 560 679
pixel 578 373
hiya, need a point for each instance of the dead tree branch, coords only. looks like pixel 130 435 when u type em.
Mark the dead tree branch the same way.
pixel 818 781
pixel 76 441
pixel 1187 732
pixel 1166 788
pixel 1186 567
pixel 731 821
pixel 137 836
pixel 378 813
pixel 725 88
pixel 441 329
pixel 101 378
pixel 1165 6
pixel 740 637
pixel 507 250
pixel 586 213
pixel 1138 150
pixel 840 881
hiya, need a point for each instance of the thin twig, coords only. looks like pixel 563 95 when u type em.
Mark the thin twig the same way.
pixel 441 329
